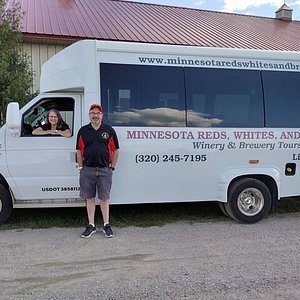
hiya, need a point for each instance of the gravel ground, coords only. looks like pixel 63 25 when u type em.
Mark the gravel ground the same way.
pixel 215 259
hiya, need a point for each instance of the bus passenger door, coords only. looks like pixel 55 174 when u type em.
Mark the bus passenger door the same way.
pixel 44 167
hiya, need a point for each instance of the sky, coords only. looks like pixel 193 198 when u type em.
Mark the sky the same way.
pixel 263 8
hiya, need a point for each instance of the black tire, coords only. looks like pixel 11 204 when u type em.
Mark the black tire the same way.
pixel 5 204
pixel 249 201
pixel 222 208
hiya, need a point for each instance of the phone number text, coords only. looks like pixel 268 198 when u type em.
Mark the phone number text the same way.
pixel 172 158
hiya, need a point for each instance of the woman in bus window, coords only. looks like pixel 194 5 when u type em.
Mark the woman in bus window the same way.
pixel 54 125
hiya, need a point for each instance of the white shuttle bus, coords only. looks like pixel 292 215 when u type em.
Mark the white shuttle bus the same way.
pixel 194 124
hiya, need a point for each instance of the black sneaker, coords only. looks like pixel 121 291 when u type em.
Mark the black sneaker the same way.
pixel 88 231
pixel 108 231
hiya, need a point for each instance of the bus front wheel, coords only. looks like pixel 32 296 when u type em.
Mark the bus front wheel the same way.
pixel 249 201
pixel 5 204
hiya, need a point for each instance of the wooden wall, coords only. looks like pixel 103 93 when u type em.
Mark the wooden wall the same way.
pixel 38 54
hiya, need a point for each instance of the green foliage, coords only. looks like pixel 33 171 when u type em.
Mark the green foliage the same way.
pixel 15 72
pixel 141 215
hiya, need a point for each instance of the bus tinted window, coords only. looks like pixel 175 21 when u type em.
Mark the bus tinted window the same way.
pixel 223 98
pixel 142 95
pixel 150 96
pixel 282 98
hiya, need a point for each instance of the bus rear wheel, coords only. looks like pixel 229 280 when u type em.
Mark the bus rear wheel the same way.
pixel 249 201
pixel 223 209
pixel 5 204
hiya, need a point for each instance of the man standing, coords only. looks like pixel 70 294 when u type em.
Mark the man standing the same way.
pixel 97 154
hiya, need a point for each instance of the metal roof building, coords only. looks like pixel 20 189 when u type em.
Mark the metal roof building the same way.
pixel 49 25
pixel 150 23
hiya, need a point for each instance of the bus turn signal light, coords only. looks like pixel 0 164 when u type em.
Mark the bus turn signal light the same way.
pixel 253 161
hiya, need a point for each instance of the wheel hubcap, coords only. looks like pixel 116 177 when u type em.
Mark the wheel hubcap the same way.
pixel 250 202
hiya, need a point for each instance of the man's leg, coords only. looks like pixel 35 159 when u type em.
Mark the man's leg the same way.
pixel 104 186
pixel 91 228
pixel 90 207
pixel 104 205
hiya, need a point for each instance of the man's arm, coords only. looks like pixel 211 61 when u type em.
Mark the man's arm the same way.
pixel 79 159
pixel 114 158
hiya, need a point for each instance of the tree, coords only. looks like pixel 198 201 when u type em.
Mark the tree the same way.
pixel 16 76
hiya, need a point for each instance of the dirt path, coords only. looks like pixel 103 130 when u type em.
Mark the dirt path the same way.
pixel 209 260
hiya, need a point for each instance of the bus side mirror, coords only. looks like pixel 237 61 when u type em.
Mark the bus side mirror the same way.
pixel 13 120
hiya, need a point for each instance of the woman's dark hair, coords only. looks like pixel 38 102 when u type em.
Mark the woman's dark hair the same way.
pixel 60 121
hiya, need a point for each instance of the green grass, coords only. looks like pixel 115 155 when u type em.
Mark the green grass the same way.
pixel 129 215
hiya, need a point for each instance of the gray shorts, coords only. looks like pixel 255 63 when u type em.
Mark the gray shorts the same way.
pixel 95 180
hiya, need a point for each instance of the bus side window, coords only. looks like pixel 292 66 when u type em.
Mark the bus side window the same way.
pixel 135 95
pixel 282 99
pixel 227 98
pixel 232 109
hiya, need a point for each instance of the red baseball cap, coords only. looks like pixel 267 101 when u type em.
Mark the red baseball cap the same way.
pixel 95 105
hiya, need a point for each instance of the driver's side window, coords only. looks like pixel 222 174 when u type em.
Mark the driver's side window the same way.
pixel 36 116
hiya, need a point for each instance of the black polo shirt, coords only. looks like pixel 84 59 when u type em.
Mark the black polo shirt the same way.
pixel 97 146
